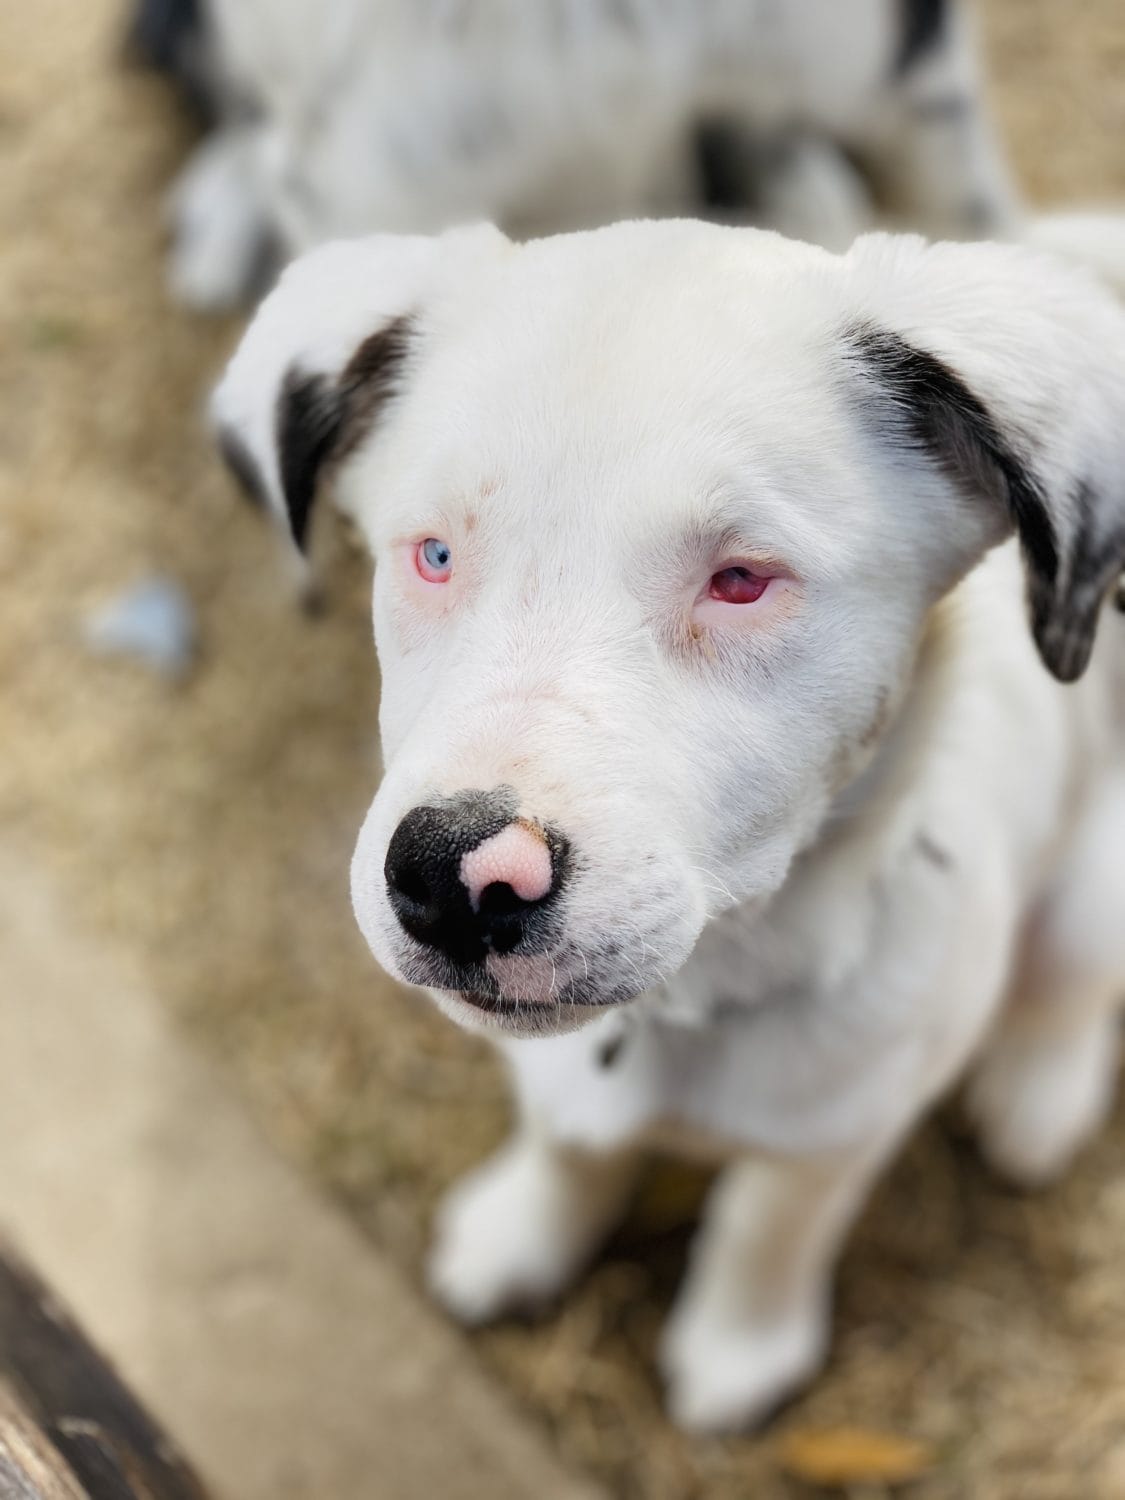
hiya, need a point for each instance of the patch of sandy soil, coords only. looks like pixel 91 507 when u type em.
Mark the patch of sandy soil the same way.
pixel 209 828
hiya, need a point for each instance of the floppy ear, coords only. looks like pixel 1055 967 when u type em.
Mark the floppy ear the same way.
pixel 325 352
pixel 1005 370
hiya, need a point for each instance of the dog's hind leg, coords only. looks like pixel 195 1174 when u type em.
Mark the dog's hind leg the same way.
pixel 515 1232
pixel 1046 1080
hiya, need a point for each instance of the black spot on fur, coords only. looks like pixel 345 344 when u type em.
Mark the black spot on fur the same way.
pixel 720 162
pixel 173 37
pixel 160 30
pixel 320 420
pixel 738 170
pixel 609 1052
pixel 921 29
pixel 932 851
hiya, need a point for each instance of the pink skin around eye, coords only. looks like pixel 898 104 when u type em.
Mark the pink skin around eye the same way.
pixel 433 560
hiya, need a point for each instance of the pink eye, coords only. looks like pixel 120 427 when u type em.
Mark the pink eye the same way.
pixel 434 560
pixel 736 585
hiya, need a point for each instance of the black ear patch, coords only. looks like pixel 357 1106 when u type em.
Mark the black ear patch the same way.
pixel 945 420
pixel 936 412
pixel 1097 566
pixel 1073 543
pixel 321 420
pixel 921 29
pixel 310 416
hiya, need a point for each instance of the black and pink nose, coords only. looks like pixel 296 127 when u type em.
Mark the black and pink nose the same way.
pixel 464 876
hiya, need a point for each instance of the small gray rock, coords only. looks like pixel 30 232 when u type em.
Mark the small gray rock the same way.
pixel 152 620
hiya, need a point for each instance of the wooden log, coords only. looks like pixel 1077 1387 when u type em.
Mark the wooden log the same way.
pixel 63 1406
pixel 30 1469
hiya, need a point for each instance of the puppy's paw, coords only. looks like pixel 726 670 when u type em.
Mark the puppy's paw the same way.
pixel 1036 1105
pixel 504 1240
pixel 729 1377
pixel 219 228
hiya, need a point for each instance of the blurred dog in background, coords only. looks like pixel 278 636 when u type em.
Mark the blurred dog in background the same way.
pixel 338 117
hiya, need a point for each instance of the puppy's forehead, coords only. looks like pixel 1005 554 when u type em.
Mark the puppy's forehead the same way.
pixel 636 381
pixel 675 302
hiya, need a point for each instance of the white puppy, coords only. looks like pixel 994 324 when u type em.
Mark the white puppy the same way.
pixel 725 781
pixel 408 115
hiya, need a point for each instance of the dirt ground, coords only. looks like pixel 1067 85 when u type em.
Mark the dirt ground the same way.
pixel 209 827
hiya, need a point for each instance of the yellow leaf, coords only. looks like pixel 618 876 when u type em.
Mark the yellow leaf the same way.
pixel 836 1456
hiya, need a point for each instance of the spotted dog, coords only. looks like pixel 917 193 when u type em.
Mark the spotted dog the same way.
pixel 753 714
pixel 339 118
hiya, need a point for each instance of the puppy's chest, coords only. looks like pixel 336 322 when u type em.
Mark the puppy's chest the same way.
pixel 812 940
pixel 741 1046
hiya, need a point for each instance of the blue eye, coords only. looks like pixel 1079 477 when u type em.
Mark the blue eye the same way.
pixel 434 559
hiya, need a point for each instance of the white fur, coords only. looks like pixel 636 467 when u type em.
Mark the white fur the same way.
pixel 411 115
pixel 843 847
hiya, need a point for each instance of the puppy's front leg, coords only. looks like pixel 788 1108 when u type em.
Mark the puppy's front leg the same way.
pixel 516 1231
pixel 751 1324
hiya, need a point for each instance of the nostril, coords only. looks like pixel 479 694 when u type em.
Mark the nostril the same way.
pixel 502 915
pixel 500 900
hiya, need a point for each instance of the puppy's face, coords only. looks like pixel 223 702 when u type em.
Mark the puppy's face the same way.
pixel 657 515
pixel 639 610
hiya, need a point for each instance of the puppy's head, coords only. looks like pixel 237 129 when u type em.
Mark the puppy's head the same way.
pixel 658 513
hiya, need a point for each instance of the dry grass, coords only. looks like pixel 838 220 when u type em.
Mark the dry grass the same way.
pixel 209 827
